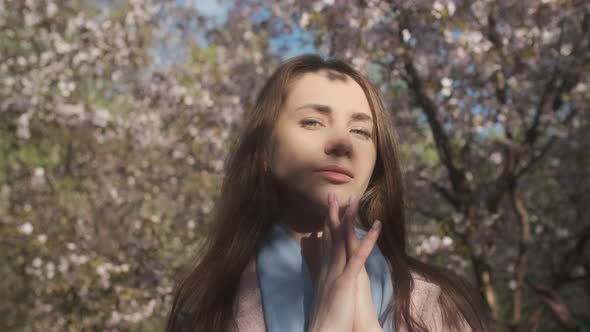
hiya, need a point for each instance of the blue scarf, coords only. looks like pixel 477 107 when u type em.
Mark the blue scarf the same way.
pixel 287 289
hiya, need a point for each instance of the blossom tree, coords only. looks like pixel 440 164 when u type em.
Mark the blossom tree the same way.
pixel 116 116
pixel 487 95
pixel 111 159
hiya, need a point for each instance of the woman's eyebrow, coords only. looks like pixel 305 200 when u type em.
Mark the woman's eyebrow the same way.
pixel 325 109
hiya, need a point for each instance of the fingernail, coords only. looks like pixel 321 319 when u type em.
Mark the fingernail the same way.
pixel 376 225
pixel 350 199
pixel 329 197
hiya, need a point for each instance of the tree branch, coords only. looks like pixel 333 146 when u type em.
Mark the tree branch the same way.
pixel 443 145
pixel 444 192
pixel 521 265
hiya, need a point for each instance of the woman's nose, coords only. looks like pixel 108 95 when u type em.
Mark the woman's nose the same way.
pixel 339 143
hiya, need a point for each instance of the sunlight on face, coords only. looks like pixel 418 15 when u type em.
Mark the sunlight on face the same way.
pixel 326 120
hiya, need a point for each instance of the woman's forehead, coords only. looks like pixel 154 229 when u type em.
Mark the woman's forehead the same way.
pixel 327 87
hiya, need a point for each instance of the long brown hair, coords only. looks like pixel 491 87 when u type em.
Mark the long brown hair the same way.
pixel 205 297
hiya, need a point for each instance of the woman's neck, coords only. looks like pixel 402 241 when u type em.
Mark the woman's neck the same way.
pixel 302 219
pixel 310 244
pixel 307 232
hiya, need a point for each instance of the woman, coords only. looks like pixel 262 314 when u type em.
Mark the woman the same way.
pixel 282 253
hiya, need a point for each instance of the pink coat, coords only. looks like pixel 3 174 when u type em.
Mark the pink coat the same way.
pixel 250 317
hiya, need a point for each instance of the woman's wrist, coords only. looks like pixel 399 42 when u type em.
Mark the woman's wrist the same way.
pixel 322 328
pixel 375 328
pixel 318 329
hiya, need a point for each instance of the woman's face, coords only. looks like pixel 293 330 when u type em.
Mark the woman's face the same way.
pixel 326 120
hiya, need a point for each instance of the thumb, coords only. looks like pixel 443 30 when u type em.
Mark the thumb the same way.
pixel 352 243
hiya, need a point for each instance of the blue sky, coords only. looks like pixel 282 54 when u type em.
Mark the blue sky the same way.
pixel 210 8
pixel 218 12
pixel 169 53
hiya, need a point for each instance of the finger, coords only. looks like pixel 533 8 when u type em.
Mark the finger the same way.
pixel 326 250
pixel 326 245
pixel 326 241
pixel 338 244
pixel 359 258
pixel 333 210
pixel 352 242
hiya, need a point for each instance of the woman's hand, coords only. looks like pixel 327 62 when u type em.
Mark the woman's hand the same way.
pixel 365 318
pixel 334 306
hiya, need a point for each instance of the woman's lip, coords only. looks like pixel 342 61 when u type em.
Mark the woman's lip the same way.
pixel 335 177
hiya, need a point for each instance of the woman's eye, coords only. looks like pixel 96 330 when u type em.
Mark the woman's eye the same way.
pixel 308 122
pixel 363 132
pixel 360 131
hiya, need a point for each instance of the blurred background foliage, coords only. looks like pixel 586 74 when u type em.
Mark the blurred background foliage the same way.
pixel 116 117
